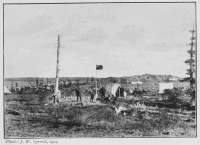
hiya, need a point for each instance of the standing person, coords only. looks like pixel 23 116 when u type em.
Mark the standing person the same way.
pixel 78 94
pixel 53 98
pixel 102 92
pixel 125 94
pixel 56 97
pixel 91 92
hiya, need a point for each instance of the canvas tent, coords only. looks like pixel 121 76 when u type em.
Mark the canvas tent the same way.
pixel 165 85
pixel 114 89
pixel 6 91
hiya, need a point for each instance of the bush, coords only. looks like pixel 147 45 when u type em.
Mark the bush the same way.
pixel 173 95
pixel 191 92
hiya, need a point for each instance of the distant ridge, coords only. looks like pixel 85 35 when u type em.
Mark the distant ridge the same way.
pixel 142 78
pixel 151 78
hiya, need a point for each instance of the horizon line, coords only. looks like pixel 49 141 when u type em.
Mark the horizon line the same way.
pixel 95 76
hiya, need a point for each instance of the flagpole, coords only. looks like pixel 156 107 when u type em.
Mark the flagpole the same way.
pixel 96 82
pixel 56 90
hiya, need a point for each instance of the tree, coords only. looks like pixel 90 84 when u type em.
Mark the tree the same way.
pixel 192 67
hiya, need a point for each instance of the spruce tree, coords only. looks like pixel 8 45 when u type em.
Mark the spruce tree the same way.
pixel 192 65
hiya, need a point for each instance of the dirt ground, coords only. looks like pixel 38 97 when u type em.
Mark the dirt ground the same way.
pixel 31 115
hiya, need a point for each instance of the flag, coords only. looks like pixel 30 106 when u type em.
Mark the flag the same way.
pixel 99 67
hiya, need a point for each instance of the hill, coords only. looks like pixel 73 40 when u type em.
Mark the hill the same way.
pixel 151 78
pixel 142 78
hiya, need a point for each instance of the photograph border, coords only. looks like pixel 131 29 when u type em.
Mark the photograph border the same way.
pixel 92 3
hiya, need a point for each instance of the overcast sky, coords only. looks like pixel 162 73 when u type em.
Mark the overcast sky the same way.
pixel 127 39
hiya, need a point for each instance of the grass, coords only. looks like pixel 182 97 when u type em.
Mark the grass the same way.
pixel 27 116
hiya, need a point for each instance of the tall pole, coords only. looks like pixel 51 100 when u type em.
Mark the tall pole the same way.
pixel 96 82
pixel 57 69
pixel 119 87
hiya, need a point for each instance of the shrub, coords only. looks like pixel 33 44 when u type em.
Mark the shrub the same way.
pixel 172 95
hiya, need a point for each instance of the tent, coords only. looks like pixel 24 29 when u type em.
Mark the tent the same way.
pixel 165 85
pixel 6 91
pixel 114 89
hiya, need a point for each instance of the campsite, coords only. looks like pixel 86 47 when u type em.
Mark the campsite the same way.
pixel 32 114
pixel 99 70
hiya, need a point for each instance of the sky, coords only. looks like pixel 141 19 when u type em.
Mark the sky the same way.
pixel 127 39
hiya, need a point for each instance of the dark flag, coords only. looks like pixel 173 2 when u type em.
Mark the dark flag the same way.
pixel 99 67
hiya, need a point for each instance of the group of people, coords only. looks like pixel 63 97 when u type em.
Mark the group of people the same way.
pixel 91 91
pixel 78 95
pixel 101 94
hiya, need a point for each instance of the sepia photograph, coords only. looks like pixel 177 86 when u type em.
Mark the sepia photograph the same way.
pixel 100 70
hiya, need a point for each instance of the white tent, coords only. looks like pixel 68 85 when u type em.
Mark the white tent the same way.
pixel 165 85
pixel 114 89
pixel 6 91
